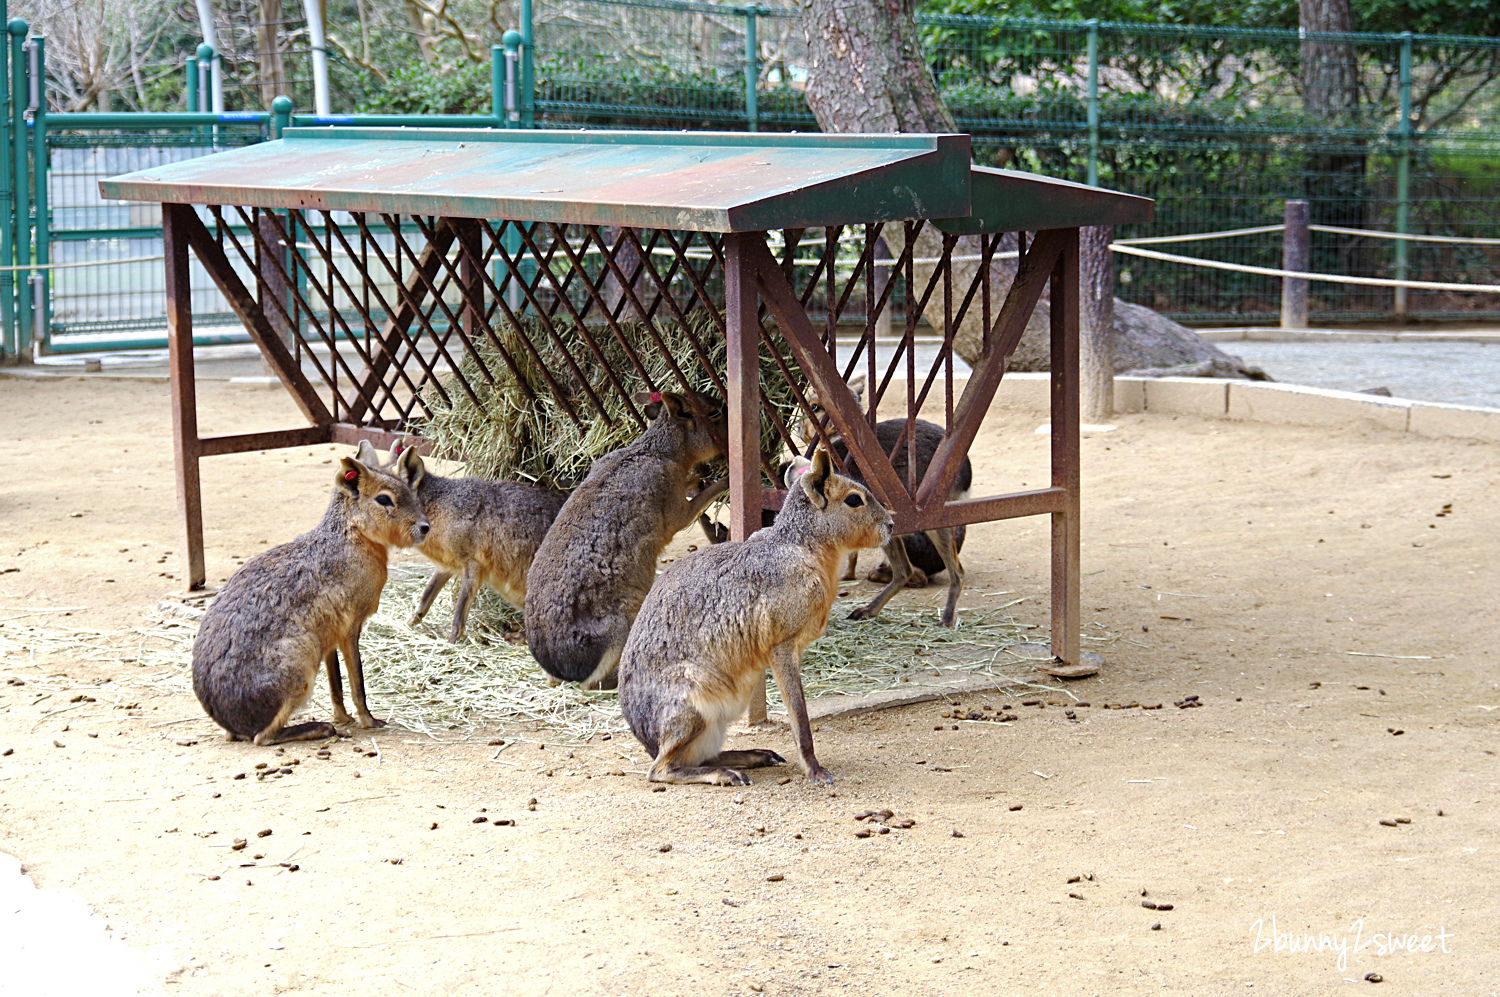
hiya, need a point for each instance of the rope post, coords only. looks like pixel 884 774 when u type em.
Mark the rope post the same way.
pixel 1295 255
pixel 1096 315
pixel 1403 177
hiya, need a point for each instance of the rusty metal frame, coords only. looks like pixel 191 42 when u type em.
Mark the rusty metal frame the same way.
pixel 440 300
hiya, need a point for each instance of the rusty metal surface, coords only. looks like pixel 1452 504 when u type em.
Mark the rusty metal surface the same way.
pixel 704 182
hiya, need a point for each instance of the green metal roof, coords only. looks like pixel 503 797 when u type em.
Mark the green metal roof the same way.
pixel 700 181
pixel 1011 201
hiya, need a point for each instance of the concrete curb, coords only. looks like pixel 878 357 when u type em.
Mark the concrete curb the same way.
pixel 1258 334
pixel 1202 397
pixel 1271 402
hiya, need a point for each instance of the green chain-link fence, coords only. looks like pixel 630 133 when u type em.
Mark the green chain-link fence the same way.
pixel 1383 132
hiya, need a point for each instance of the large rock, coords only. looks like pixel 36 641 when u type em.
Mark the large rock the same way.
pixel 1145 342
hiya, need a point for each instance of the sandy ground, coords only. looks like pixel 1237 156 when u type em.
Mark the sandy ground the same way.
pixel 1329 597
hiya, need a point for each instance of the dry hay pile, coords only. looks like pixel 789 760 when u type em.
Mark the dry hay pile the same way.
pixel 514 428
pixel 420 682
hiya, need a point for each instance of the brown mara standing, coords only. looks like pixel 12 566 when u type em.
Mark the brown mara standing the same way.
pixel 485 531
pixel 287 609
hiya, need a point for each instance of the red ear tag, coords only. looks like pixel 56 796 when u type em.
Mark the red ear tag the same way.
pixel 656 396
pixel 801 471
pixel 351 475
pixel 397 449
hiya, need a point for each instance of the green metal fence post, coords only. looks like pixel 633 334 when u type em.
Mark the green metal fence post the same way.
pixel 7 203
pixel 206 83
pixel 752 67
pixel 190 91
pixel 1093 102
pixel 528 67
pixel 40 281
pixel 1403 176
pixel 22 176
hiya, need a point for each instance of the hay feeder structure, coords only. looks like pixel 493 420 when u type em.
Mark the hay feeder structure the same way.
pixel 373 267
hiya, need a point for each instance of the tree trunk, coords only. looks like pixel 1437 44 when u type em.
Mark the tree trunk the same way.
pixel 867 74
pixel 1330 94
pixel 272 69
pixel 866 71
pixel 1096 319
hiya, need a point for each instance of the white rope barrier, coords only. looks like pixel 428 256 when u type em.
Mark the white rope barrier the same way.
pixel 1376 234
pixel 1197 236
pixel 1422 285
pixel 28 267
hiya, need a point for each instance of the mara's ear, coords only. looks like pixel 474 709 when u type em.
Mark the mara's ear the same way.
pixel 815 479
pixel 857 385
pixel 409 467
pixel 366 453
pixel 350 471
pixel 713 409
pixel 676 405
pixel 795 468
pixel 650 403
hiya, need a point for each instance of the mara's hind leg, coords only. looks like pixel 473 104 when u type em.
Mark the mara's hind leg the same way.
pixel 434 586
pixel 313 730
pixel 749 758
pixel 901 569
pixel 277 732
pixel 336 688
pixel 604 675
pixel 678 743
pixel 293 690
pixel 916 580
pixel 851 567
pixel 947 549
pixel 461 604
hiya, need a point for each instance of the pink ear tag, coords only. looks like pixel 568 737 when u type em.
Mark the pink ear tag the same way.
pixel 397 449
pixel 656 396
pixel 799 472
pixel 351 475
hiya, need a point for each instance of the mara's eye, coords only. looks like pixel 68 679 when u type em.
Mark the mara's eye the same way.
pixel 385 500
pixel 854 500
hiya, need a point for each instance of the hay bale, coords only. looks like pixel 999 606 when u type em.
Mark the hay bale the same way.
pixel 517 428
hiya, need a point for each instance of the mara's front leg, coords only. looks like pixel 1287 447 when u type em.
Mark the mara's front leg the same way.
pixel 336 687
pixel 356 670
pixel 901 569
pixel 787 667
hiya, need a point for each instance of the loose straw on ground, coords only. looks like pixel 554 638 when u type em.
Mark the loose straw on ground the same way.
pixel 420 682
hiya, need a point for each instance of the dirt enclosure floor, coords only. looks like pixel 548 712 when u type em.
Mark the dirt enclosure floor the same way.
pixel 1329 812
